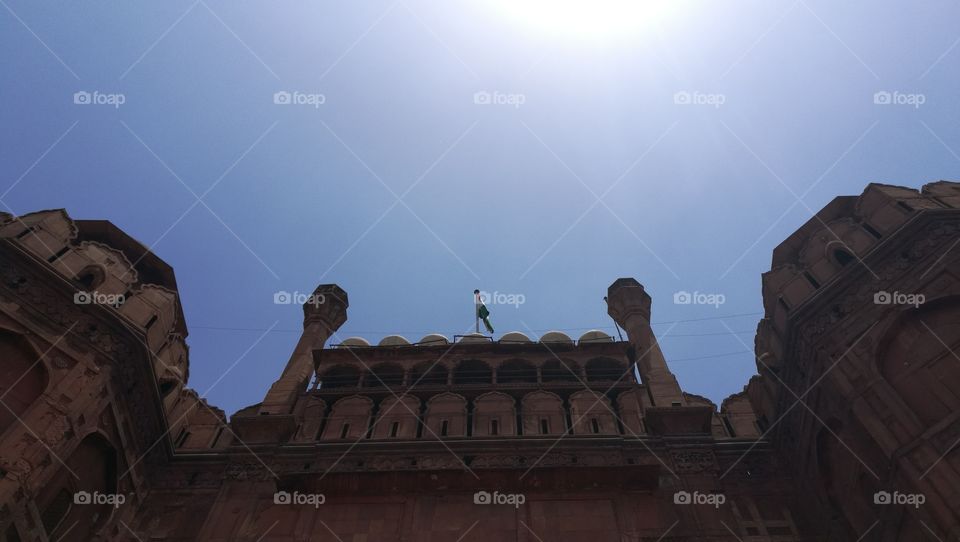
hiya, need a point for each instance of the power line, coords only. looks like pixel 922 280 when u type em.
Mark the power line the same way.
pixel 671 360
pixel 724 317
pixel 708 318
pixel 670 335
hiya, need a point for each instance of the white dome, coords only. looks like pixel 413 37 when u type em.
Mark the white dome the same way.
pixel 474 338
pixel 393 340
pixel 354 341
pixel 595 336
pixel 514 337
pixel 433 339
pixel 556 337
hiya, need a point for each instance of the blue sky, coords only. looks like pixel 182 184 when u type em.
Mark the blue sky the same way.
pixel 708 138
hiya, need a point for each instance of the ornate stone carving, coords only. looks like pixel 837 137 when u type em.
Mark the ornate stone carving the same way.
pixel 930 239
pixel 249 471
pixel 55 311
pixel 693 461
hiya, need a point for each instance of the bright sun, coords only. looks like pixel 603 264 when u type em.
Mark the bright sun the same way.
pixel 588 18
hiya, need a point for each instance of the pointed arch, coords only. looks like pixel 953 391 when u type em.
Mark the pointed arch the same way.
pixel 494 414
pixel 349 419
pixel 446 416
pixel 592 414
pixel 543 414
pixel 23 377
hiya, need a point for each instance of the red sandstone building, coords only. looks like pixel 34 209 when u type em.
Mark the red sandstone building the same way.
pixel 848 432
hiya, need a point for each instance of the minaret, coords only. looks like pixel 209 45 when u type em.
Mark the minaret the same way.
pixel 323 313
pixel 629 305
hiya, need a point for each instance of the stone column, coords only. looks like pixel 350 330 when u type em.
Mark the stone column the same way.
pixel 323 313
pixel 629 305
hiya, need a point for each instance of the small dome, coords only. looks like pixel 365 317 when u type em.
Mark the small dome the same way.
pixel 474 338
pixel 514 337
pixel 353 341
pixel 393 340
pixel 556 337
pixel 433 339
pixel 595 336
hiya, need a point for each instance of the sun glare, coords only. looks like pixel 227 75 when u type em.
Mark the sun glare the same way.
pixel 588 19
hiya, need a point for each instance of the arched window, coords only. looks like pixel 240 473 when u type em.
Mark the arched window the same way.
pixel 90 277
pixel 23 377
pixel 472 371
pixel 56 512
pixel 591 413
pixel 166 386
pixel 91 468
pixel 428 374
pixel 12 534
pixel 516 370
pixel 543 414
pixel 341 376
pixel 560 371
pixel 494 414
pixel 605 369
pixel 842 257
pixel 384 374
pixel 446 416
pixel 349 419
pixel 398 417
pixel 841 456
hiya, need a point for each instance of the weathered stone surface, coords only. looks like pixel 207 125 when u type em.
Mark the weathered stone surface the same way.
pixel 482 440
